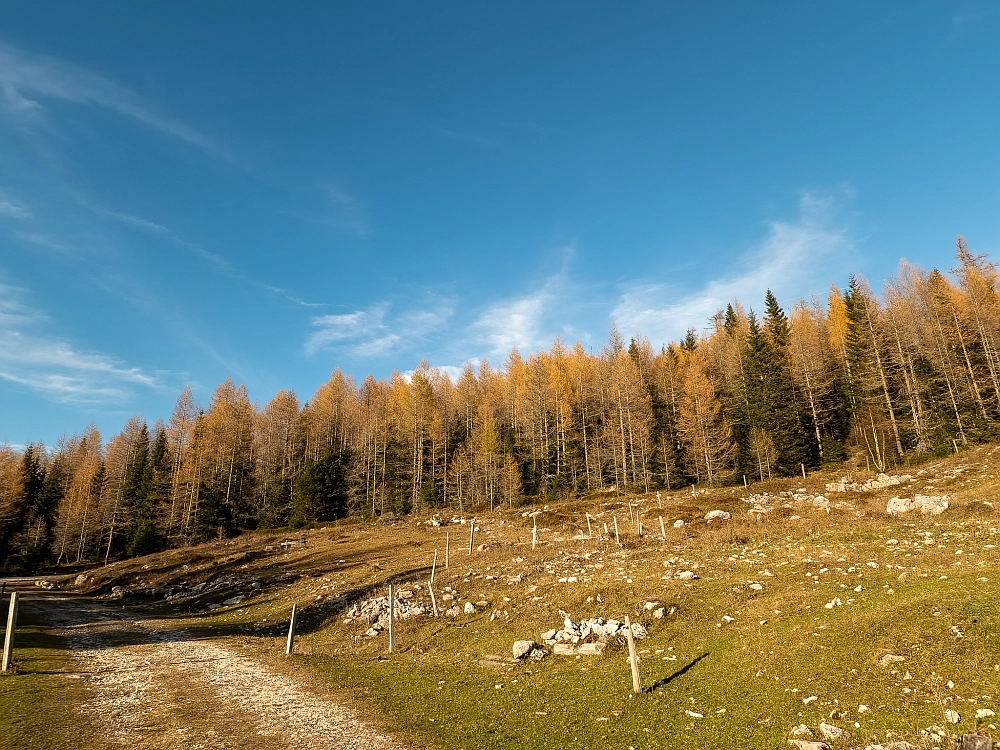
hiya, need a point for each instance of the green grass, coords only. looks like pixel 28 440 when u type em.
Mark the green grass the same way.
pixel 40 699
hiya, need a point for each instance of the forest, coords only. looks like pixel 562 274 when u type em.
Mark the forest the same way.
pixel 878 379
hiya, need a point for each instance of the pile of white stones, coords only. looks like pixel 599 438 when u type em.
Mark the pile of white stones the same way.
pixel 878 483
pixel 588 636
pixel 376 611
pixel 931 504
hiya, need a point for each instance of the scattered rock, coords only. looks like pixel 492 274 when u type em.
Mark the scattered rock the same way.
pixel 974 742
pixel 679 523
pixel 809 744
pixel 233 600
pixel 718 514
pixel 888 659
pixel 470 608
pixel 523 649
pixel 930 504
pixel 801 731
pixel 952 716
pixel 985 713
pixel 831 732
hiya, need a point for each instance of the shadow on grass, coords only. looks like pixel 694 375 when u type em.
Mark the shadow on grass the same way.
pixel 679 673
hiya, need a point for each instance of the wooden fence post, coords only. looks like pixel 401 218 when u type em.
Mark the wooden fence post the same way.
pixel 434 603
pixel 8 641
pixel 472 535
pixel 434 566
pixel 392 618
pixel 590 534
pixel 663 529
pixel 290 646
pixel 617 538
pixel 447 548
pixel 633 658
pixel 534 533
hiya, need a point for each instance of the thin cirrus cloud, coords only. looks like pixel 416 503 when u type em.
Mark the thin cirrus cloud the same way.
pixel 786 261
pixel 374 332
pixel 55 368
pixel 26 80
pixel 526 322
pixel 13 210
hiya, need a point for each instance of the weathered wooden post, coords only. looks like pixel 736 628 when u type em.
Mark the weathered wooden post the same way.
pixel 639 529
pixel 472 535
pixel 590 534
pixel 633 658
pixel 434 566
pixel 663 529
pixel 8 641
pixel 534 533
pixel 617 538
pixel 290 646
pixel 803 470
pixel 447 548
pixel 392 618
pixel 434 603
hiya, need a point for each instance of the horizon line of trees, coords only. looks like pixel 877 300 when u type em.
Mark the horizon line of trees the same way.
pixel 915 372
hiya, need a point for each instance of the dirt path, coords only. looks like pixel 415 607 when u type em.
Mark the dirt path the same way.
pixel 151 685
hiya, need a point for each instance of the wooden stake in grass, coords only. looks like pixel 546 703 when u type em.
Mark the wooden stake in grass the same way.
pixel 617 538
pixel 606 534
pixel 472 535
pixel 290 645
pixel 434 566
pixel 8 641
pixel 434 603
pixel 447 548
pixel 639 529
pixel 590 534
pixel 392 618
pixel 663 529
pixel 744 481
pixel 633 658
pixel 534 533
pixel 803 470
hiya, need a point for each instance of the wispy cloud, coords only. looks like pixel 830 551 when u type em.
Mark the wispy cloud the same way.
pixel 348 214
pixel 531 321
pixel 27 80
pixel 786 261
pixel 454 372
pixel 340 209
pixel 13 210
pixel 54 367
pixel 374 332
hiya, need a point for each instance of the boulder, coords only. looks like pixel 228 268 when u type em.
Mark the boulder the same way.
pixel 718 514
pixel 470 608
pixel 524 648
pixel 809 744
pixel 897 505
pixel 888 659
pixel 831 732
pixel 679 523
pixel 974 742
pixel 931 504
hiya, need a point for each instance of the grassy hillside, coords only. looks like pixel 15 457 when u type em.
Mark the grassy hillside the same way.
pixel 789 620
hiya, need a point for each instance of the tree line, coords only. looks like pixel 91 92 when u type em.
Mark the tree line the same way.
pixel 914 372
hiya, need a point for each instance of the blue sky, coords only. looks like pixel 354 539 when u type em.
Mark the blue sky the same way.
pixel 266 191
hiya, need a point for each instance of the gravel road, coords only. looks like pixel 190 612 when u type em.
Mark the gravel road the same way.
pixel 151 685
